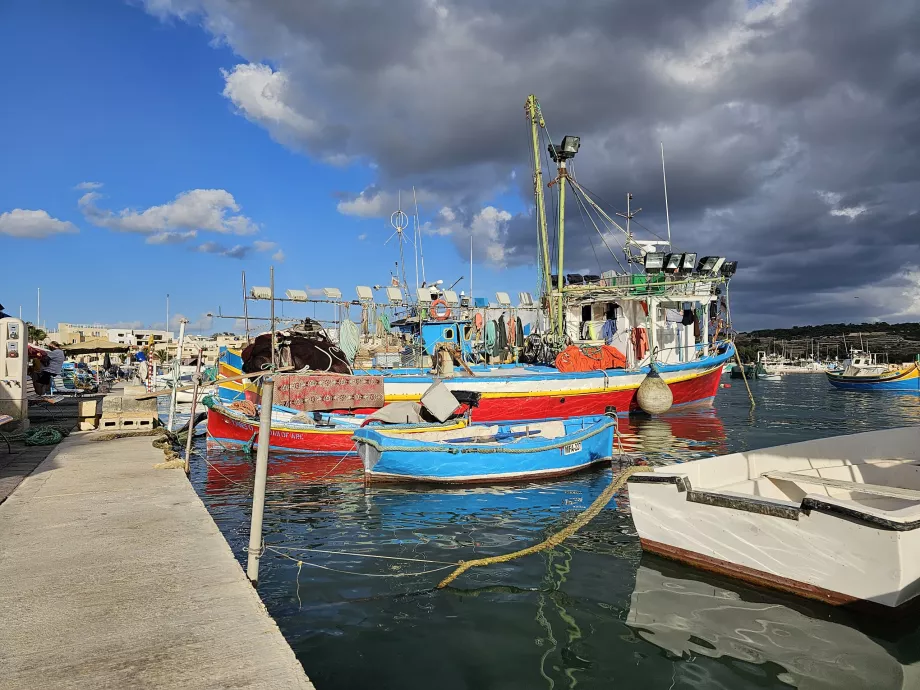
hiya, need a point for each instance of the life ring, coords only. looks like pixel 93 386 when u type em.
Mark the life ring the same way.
pixel 477 321
pixel 439 315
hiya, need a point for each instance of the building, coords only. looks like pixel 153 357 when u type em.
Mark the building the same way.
pixel 68 333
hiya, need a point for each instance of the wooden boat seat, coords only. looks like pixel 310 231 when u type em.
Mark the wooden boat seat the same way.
pixel 873 489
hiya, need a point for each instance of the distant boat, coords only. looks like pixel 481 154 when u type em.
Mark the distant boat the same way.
pixel 488 453
pixel 834 519
pixel 863 372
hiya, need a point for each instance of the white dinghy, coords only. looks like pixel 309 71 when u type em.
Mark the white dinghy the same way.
pixel 835 519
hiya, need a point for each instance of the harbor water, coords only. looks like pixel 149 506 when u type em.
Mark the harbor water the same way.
pixel 592 613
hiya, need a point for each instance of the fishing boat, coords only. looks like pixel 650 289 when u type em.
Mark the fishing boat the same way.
pixel 863 372
pixel 317 433
pixel 834 519
pixel 584 346
pixel 487 453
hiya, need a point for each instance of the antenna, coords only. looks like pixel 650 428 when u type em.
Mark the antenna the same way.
pixel 667 213
pixel 400 221
pixel 421 249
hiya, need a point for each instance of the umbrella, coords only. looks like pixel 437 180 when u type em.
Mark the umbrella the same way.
pixel 94 345
pixel 106 362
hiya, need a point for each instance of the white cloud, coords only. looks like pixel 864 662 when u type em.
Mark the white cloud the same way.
pixel 264 246
pixel 171 237
pixel 850 212
pixel 362 237
pixel 35 224
pixel 369 204
pixel 278 255
pixel 488 227
pixel 237 251
pixel 88 185
pixel 213 210
pixel 259 94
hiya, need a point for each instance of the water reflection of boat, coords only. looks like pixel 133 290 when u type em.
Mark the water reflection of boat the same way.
pixel 697 430
pixel 226 470
pixel 687 616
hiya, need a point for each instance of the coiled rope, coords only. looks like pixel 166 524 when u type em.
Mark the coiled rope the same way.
pixel 589 514
pixel 349 339
pixel 43 435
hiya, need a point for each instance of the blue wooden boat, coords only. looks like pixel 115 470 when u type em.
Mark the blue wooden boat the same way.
pixel 488 452
pixel 864 373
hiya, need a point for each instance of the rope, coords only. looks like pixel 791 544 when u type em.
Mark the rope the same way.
pixel 351 572
pixel 364 555
pixel 42 435
pixel 349 338
pixel 247 407
pixel 589 514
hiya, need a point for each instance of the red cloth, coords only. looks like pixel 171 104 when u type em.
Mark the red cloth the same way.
pixel 310 392
pixel 574 358
pixel 639 339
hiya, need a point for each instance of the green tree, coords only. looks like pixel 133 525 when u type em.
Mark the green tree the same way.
pixel 36 334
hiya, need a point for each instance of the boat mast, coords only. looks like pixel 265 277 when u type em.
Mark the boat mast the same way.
pixel 561 179
pixel 535 116
pixel 667 212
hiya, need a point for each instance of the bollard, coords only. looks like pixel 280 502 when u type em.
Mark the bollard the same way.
pixel 191 419
pixel 258 489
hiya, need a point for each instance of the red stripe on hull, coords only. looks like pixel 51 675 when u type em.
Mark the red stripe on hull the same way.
pixel 224 428
pixel 490 410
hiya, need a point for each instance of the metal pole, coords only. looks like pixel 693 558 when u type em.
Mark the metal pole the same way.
pixel 559 266
pixel 38 316
pixel 245 309
pixel 191 419
pixel 166 328
pixel 536 120
pixel 667 213
pixel 176 364
pixel 258 489
pixel 272 271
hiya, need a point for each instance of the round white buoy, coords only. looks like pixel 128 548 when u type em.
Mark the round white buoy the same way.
pixel 654 396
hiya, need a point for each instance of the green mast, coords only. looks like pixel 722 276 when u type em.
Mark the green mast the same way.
pixel 532 109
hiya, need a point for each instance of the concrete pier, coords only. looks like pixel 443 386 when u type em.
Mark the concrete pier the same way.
pixel 114 575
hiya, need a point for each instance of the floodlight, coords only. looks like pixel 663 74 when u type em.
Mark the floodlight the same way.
pixel 296 295
pixel 526 299
pixel 504 300
pixel 451 298
pixel 729 268
pixel 332 293
pixel 394 295
pixel 654 262
pixel 574 279
pixel 424 295
pixel 672 263
pixel 365 294
pixel 567 149
pixel 688 263
pixel 260 293
pixel 591 278
pixel 710 264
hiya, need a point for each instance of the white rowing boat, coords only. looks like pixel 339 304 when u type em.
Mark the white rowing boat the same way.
pixel 835 519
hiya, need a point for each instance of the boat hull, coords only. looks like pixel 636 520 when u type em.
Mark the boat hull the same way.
pixel 228 428
pixel 404 459
pixel 720 514
pixel 519 393
pixel 907 379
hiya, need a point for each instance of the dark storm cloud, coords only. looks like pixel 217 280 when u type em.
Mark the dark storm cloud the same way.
pixel 790 128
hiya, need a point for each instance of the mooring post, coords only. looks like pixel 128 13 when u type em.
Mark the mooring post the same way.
pixel 258 489
pixel 191 419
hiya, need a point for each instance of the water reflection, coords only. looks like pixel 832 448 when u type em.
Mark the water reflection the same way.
pixel 570 617
pixel 687 615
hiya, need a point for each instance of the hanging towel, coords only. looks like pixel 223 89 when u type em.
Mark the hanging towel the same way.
pixel 490 337
pixel 501 337
pixel 519 332
pixel 673 316
pixel 609 330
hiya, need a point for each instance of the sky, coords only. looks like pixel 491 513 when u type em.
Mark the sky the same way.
pixel 165 146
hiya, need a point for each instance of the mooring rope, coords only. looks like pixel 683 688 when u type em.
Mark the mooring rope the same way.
pixel 589 514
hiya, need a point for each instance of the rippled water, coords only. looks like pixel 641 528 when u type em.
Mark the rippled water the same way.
pixel 593 613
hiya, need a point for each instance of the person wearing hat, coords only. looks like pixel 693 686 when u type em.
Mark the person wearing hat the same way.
pixel 53 368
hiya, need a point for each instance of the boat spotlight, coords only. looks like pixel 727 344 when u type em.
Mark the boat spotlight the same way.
pixel 688 263
pixel 654 262
pixel 566 150
pixel 296 295
pixel 729 268
pixel 710 264
pixel 260 293
pixel 332 293
pixel 672 263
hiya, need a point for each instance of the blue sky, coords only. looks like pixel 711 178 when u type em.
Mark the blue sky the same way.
pixel 106 93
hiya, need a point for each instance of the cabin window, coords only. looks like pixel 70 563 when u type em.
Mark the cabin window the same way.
pixel 448 334
pixel 586 312
pixel 467 332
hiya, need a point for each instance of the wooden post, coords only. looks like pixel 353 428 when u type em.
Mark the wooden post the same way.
pixel 191 419
pixel 258 489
